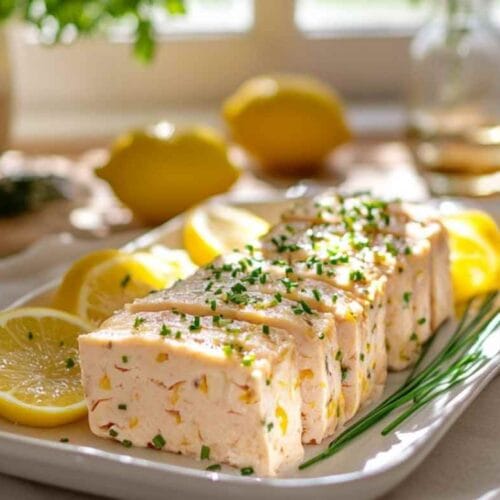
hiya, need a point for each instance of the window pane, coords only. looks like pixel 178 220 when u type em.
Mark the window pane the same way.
pixel 208 16
pixel 354 15
pixel 371 16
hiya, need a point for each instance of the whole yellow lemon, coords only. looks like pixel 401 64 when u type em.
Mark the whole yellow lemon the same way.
pixel 287 122
pixel 162 171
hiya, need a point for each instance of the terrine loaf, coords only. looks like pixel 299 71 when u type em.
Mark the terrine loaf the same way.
pixel 314 334
pixel 214 389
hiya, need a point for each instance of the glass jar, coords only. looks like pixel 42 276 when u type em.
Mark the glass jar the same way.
pixel 454 115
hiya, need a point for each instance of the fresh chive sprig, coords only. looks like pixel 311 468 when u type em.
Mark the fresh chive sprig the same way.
pixel 456 362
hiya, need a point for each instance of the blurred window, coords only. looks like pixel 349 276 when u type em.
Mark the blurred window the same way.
pixel 366 17
pixel 205 17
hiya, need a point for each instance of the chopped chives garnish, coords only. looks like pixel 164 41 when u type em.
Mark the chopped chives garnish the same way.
pixel 30 335
pixel 213 305
pixel 414 337
pixel 122 406
pixel 113 433
pixel 127 443
pixel 158 441
pixel 124 359
pixel 205 453
pixel 213 467
pixel 356 275
pixel 178 334
pixel 64 440
pixel 305 307
pixel 227 349
pixel 138 322
pixel 421 321
pixel 248 360
pixel 265 329
pixel 270 426
pixel 195 325
pixel 317 294
pixel 246 471
pixel 407 297
pixel 70 363
pixel 461 357
pixel 165 330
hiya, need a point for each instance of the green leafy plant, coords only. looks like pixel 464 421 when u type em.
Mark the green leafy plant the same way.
pixel 86 17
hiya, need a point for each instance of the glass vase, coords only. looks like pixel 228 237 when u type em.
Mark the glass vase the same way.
pixel 454 108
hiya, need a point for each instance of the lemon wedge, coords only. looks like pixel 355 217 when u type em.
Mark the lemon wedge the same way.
pixel 39 369
pixel 475 257
pixel 287 122
pixel 104 281
pixel 211 230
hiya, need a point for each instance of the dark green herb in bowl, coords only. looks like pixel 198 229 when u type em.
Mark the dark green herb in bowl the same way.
pixel 24 193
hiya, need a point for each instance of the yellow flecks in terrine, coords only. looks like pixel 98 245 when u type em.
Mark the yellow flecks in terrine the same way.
pixel 203 384
pixel 365 385
pixel 175 390
pixel 105 383
pixel 282 417
pixel 350 316
pixel 248 397
pixel 403 355
pixel 330 408
pixel 306 374
pixel 340 405
pixel 161 357
pixel 368 347
pixel 176 415
pixel 133 422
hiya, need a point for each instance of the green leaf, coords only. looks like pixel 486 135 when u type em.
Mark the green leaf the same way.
pixel 175 7
pixel 144 46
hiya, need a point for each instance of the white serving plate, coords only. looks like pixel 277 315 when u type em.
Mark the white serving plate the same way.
pixel 367 468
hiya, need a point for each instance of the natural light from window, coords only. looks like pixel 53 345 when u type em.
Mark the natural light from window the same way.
pixel 208 16
pixel 378 17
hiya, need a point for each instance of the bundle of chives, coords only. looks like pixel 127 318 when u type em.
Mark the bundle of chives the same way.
pixel 461 357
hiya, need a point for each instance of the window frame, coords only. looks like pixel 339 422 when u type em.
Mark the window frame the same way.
pixel 201 69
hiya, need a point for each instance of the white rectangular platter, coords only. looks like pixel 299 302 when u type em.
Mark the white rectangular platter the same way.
pixel 367 468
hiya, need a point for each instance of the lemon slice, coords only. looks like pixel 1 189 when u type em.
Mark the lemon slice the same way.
pixel 475 260
pixel 211 230
pixel 116 278
pixel 39 369
pixel 480 222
